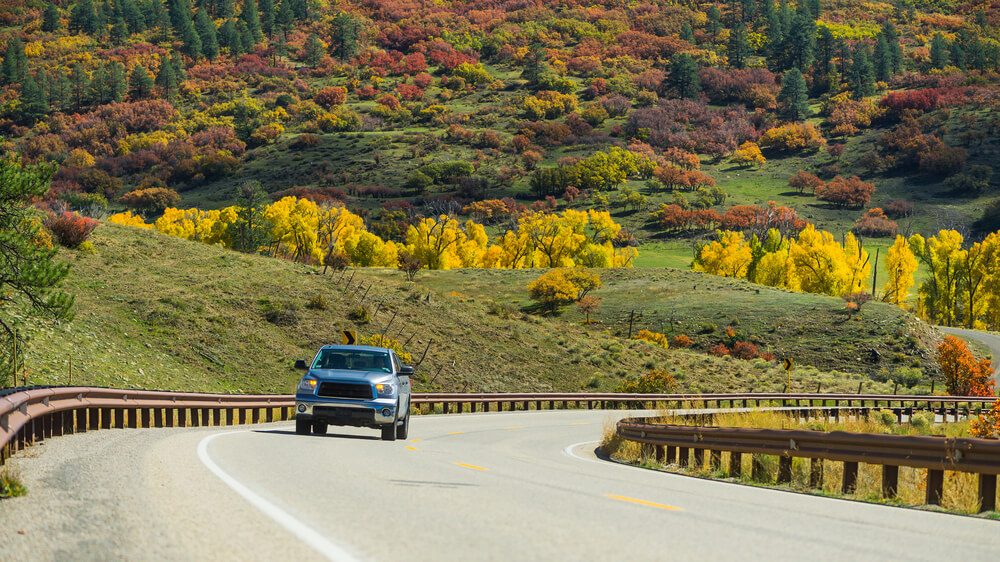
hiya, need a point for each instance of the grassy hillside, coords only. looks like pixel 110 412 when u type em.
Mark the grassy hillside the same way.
pixel 158 312
pixel 812 329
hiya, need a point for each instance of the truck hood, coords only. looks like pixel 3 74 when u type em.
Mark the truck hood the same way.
pixel 359 376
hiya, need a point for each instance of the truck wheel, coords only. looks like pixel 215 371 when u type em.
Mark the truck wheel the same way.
pixel 403 429
pixel 302 427
pixel 389 432
pixel 319 428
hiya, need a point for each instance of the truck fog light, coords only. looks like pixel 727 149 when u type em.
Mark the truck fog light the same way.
pixel 386 412
pixel 302 408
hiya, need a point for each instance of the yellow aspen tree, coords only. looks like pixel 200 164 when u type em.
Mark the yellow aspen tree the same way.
pixel 858 264
pixel 938 295
pixel 729 256
pixel 820 263
pixel 901 264
pixel 980 264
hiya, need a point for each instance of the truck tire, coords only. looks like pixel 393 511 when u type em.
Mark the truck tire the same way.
pixel 403 429
pixel 302 427
pixel 319 428
pixel 389 432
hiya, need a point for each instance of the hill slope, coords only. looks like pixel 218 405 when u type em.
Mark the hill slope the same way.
pixel 158 312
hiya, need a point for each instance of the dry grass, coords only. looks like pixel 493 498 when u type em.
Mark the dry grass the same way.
pixel 960 489
pixel 10 484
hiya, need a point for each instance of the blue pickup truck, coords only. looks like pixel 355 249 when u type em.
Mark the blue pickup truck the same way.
pixel 354 385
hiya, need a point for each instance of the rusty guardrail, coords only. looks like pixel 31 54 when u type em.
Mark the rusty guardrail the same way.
pixel 673 443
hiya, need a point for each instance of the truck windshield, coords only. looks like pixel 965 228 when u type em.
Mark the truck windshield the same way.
pixel 353 360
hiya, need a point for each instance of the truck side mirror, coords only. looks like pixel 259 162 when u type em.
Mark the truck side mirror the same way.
pixel 406 371
pixel 300 364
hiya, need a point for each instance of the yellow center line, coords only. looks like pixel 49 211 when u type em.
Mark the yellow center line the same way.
pixel 417 440
pixel 409 448
pixel 471 466
pixel 642 502
pixel 456 433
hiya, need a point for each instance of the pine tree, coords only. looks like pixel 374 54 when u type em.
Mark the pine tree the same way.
pixel 59 90
pixel 157 17
pixel 683 77
pixel 105 17
pixel 800 42
pixel 119 32
pixel 895 51
pixel 958 56
pixel 179 70
pixel 117 86
pixel 793 99
pixel 50 18
pixel 166 79
pixel 133 15
pixel 739 48
pixel 229 37
pixel 862 75
pixel 825 51
pixel 346 33
pixel 814 8
pixel 79 84
pixel 251 18
pixel 714 24
pixel 939 51
pixel 882 59
pixel 99 85
pixel 687 33
pixel 83 18
pixel 314 50
pixel 34 103
pixel 140 83
pixel 267 15
pixel 207 34
pixel 747 11
pixel 246 37
pixel 15 62
pixel 285 17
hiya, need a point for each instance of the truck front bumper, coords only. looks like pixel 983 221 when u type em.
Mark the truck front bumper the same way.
pixel 357 413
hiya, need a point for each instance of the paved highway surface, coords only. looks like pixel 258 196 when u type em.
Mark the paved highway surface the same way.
pixel 467 487
pixel 991 341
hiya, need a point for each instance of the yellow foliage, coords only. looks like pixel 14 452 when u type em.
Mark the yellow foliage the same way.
pixel 729 256
pixel 749 154
pixel 79 158
pixel 655 338
pixel 128 219
pixel 901 264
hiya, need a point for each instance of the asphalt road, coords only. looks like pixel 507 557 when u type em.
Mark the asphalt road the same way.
pixel 468 487
pixel 991 341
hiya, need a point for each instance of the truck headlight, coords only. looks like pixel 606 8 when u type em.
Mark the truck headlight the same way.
pixel 307 386
pixel 385 390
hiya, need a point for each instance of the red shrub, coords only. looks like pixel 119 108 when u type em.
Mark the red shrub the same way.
pixel 899 208
pixel 846 192
pixel 875 223
pixel 719 350
pixel 757 219
pixel 681 340
pixel 409 92
pixel 70 229
pixel 802 181
pixel 745 350
pixel 331 96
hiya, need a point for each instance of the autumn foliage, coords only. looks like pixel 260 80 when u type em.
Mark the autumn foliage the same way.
pixel 965 375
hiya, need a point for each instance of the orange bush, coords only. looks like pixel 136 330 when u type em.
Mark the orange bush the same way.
pixel 987 426
pixel 964 374
pixel 682 340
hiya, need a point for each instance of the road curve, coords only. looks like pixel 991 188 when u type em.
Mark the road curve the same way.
pixel 991 341
pixel 523 486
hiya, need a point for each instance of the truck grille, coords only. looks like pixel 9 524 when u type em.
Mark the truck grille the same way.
pixel 345 390
pixel 344 416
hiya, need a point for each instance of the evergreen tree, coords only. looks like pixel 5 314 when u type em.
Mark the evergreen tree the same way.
pixel 207 34
pixel 100 85
pixel 267 16
pixel 747 11
pixel 346 33
pixel 180 18
pixel 314 50
pixel 683 77
pixel 133 16
pixel 15 62
pixel 166 79
pixel 105 17
pixel 179 71
pixel 775 38
pixel 714 24
pixel 229 37
pixel 958 56
pixel 825 51
pixel 739 48
pixel 793 99
pixel 285 17
pixel 119 32
pixel 687 33
pixel 766 10
pixel 862 75
pixel 882 59
pixel 117 86
pixel 892 41
pixel 939 51
pixel 50 18
pixel 34 103
pixel 157 17
pixel 140 83
pixel 79 84
pixel 247 42
pixel 83 18
pixel 814 8
pixel 251 18
pixel 300 8
pixel 58 90
pixel 800 42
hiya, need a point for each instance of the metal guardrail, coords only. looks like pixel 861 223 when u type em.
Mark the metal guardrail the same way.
pixel 673 443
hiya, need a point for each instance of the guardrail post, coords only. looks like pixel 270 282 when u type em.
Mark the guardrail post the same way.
pixel 699 458
pixel 682 456
pixel 757 468
pixel 784 469
pixel 217 414
pixel 671 454
pixel 935 486
pixel 255 415
pixel 890 480
pixel 659 453
pixel 145 417
pixel 714 460
pixel 268 414
pixel 816 473
pixel 850 482
pixel 735 464
pixel 987 492
pixel 538 404
pixel 230 416
pixel 105 418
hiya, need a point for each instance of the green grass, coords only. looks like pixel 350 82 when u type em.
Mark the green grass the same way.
pixel 812 329
pixel 159 312
pixel 11 485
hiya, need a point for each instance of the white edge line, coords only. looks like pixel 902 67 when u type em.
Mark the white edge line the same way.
pixel 569 452
pixel 303 532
